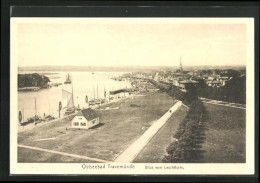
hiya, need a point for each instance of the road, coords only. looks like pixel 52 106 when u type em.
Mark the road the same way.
pixel 228 104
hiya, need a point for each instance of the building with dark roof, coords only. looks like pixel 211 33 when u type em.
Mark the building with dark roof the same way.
pixel 188 84
pixel 86 118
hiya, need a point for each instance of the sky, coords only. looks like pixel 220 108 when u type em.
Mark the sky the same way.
pixel 130 44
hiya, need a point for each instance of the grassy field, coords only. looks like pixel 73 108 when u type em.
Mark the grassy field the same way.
pixel 118 129
pixel 225 135
pixel 155 150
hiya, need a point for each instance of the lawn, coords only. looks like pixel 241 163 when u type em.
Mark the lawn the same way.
pixel 226 135
pixel 118 129
pixel 155 150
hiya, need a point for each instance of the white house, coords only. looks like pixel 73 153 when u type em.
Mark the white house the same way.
pixel 86 118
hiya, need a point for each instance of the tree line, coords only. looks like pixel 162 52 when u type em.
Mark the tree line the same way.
pixel 233 91
pixel 29 80
pixel 186 145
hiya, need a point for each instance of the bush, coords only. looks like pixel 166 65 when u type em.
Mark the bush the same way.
pixel 183 150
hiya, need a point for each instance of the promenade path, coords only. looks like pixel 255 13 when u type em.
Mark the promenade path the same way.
pixel 134 149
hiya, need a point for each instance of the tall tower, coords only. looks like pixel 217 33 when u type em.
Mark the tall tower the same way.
pixel 181 66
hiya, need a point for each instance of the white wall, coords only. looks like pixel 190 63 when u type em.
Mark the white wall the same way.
pixel 79 119
pixel 82 119
pixel 93 122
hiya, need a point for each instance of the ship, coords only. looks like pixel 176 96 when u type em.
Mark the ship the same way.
pixel 35 120
pixel 68 102
pixel 68 79
pixel 96 101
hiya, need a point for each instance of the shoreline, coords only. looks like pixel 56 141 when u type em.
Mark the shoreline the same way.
pixel 32 126
pixel 122 127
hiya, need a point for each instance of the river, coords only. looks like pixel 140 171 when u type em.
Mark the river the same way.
pixel 83 83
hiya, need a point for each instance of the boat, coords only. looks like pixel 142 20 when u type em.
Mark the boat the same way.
pixel 68 102
pixel 49 118
pixel 68 79
pixel 96 101
pixel 113 92
pixel 36 119
pixel 54 84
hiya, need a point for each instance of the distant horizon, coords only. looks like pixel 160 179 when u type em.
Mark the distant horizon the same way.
pixel 124 68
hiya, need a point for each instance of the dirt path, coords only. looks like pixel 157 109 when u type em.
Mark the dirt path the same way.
pixel 134 149
pixel 217 102
pixel 62 153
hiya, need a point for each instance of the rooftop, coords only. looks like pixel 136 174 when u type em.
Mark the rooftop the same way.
pixel 88 113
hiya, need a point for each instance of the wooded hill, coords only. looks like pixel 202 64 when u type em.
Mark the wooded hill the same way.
pixel 30 80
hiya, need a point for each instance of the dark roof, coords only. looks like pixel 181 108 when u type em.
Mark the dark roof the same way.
pixel 88 113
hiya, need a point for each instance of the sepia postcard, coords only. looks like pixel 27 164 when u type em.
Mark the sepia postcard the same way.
pixel 171 96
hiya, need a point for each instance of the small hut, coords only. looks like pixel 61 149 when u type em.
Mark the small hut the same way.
pixel 86 118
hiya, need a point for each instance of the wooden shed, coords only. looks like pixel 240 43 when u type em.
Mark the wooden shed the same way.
pixel 86 118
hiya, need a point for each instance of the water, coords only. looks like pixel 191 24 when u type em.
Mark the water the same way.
pixel 83 83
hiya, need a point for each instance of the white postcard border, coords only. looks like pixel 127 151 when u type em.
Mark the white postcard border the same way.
pixel 139 168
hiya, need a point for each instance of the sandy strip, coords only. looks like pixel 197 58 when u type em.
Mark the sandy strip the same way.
pixel 45 139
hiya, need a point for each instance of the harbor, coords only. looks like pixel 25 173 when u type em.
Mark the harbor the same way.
pixel 118 128
pixel 35 104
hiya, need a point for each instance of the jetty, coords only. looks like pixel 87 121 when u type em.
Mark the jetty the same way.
pixel 30 88
pixel 119 91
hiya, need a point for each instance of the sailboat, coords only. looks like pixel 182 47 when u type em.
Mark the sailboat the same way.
pixel 36 119
pixel 96 101
pixel 68 79
pixel 68 102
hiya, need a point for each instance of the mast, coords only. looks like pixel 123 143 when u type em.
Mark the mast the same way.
pixel 181 65
pixel 72 95
pixel 23 114
pixel 97 91
pixel 94 92
pixel 104 91
pixel 35 107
